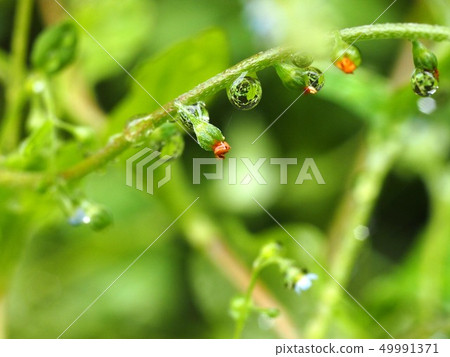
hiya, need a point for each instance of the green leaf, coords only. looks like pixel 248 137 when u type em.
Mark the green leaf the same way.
pixel 123 28
pixel 55 48
pixel 172 73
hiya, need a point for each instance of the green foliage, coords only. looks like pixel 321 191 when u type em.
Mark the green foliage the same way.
pixel 55 48
pixel 173 72
pixel 361 130
pixel 123 28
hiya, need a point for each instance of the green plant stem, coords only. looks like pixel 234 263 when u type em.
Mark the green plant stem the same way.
pixel 357 208
pixel 11 124
pixel 2 317
pixel 407 31
pixel 255 63
pixel 240 323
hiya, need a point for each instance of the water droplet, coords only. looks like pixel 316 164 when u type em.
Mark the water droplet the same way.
pixel 424 83
pixel 245 92
pixel 96 216
pixel 79 217
pixel 361 233
pixel 314 80
pixel 135 132
pixel 197 110
pixel 427 105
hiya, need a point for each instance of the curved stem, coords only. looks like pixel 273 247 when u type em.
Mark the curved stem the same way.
pixel 407 31
pixel 255 63
pixel 11 124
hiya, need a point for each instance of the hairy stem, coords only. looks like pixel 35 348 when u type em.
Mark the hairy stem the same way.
pixel 408 31
pixel 255 63
pixel 11 124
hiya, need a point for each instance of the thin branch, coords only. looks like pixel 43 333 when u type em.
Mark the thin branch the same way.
pixel 407 31
pixel 11 124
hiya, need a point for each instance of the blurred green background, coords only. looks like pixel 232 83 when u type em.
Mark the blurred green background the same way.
pixel 181 288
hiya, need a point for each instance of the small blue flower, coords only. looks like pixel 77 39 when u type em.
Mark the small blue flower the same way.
pixel 79 217
pixel 304 282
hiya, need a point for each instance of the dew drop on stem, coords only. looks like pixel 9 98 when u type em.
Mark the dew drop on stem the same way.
pixel 245 92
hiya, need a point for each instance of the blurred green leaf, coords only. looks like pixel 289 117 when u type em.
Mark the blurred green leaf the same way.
pixel 123 28
pixel 55 48
pixel 173 72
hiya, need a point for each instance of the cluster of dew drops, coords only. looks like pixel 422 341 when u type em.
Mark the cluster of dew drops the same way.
pixel 296 73
pixel 245 93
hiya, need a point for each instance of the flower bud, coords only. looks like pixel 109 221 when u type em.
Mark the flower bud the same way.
pixel 346 57
pixel 209 137
pixel 424 58
pixel 55 48
pixel 220 148
pixel 309 79
pixel 186 112
pixel 270 250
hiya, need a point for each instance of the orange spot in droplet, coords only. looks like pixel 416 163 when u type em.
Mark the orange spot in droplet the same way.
pixel 311 90
pixel 346 65
pixel 220 148
pixel 436 74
